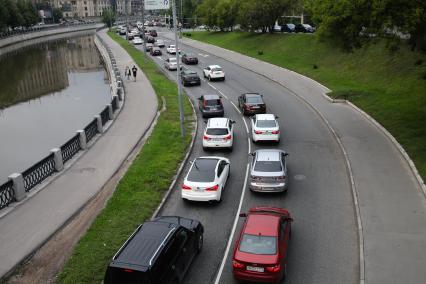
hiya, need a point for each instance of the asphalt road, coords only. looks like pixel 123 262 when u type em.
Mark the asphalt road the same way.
pixel 324 247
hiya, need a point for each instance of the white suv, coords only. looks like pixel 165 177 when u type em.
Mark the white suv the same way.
pixel 264 127
pixel 214 72
pixel 219 133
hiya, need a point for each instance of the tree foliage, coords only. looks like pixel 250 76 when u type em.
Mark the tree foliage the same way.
pixel 17 14
pixel 108 17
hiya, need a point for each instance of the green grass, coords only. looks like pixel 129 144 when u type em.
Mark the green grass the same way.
pixel 391 87
pixel 142 187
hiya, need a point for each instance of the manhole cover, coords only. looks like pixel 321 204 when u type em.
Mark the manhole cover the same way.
pixel 299 177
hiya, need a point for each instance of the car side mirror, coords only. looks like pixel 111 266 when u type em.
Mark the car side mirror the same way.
pixel 289 219
pixel 243 215
pixel 251 154
pixel 199 99
pixel 205 121
pixel 277 117
pixel 233 121
pixel 286 154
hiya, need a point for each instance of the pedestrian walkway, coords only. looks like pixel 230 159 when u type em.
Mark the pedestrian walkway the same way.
pixel 391 202
pixel 29 225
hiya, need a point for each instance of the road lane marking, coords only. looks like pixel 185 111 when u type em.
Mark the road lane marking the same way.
pixel 234 227
pixel 220 92
pixel 236 108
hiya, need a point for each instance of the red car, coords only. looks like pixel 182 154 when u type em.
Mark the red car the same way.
pixel 260 253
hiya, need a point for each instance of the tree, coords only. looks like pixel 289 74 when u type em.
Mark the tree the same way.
pixel 108 17
pixel 28 13
pixel 207 13
pixel 57 14
pixel 15 18
pixel 4 15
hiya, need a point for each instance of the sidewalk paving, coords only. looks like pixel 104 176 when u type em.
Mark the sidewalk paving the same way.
pixel 391 202
pixel 29 225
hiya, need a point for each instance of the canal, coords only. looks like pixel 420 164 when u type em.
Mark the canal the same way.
pixel 47 92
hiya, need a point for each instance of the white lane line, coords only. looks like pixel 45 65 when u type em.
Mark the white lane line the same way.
pixel 212 86
pixel 236 108
pixel 234 227
pixel 249 145
pixel 223 95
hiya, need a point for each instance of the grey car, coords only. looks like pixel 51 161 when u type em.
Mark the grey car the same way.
pixel 268 171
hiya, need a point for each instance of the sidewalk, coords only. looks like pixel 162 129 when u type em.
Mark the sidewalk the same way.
pixel 29 225
pixel 391 201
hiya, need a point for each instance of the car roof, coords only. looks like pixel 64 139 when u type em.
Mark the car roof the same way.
pixel 267 116
pixel 262 224
pixel 221 122
pixel 189 71
pixel 253 95
pixel 211 97
pixel 144 244
pixel 214 66
pixel 268 155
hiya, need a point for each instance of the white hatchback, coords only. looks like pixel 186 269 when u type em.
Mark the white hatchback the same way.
pixel 219 133
pixel 265 127
pixel 206 179
pixel 214 72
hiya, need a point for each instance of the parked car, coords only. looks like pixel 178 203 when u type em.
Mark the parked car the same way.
pixel 268 171
pixel 137 41
pixel 288 28
pixel 251 103
pixel 206 179
pixel 304 28
pixel 265 127
pixel 219 133
pixel 153 33
pixel 214 72
pixel 210 105
pixel 159 43
pixel 190 77
pixel 155 51
pixel 159 251
pixel 171 63
pixel 150 39
pixel 148 47
pixel 260 252
pixel 189 58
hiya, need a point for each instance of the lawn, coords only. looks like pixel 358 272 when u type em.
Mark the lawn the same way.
pixel 390 86
pixel 140 190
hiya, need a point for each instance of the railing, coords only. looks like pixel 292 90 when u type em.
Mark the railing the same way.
pixel 114 103
pixel 105 115
pixel 70 148
pixel 39 172
pixel 91 130
pixel 7 195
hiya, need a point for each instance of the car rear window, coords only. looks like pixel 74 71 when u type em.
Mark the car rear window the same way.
pixel 258 244
pixel 266 123
pixel 254 100
pixel 217 131
pixel 203 170
pixel 126 276
pixel 214 102
pixel 268 166
pixel 172 60
pixel 216 69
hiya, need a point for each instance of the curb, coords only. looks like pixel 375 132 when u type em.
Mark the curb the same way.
pixel 346 157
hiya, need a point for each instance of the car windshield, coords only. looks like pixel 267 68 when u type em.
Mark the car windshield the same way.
pixel 203 170
pixel 266 123
pixel 216 69
pixel 217 131
pixel 254 99
pixel 258 244
pixel 214 102
pixel 268 166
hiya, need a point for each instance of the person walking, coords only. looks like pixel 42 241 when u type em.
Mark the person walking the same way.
pixel 127 73
pixel 134 71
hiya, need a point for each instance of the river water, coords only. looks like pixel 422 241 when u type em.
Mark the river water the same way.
pixel 47 92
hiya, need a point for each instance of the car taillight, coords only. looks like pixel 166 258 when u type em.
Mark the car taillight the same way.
pixel 255 178
pixel 276 132
pixel 280 178
pixel 275 268
pixel 205 137
pixel 185 187
pixel 237 264
pixel 258 132
pixel 128 270
pixel 228 137
pixel 247 107
pixel 213 188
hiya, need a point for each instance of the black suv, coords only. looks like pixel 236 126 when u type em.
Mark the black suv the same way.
pixel 159 251
pixel 210 105
pixel 190 77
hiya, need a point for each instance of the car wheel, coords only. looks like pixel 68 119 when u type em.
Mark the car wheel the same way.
pixel 223 79
pixel 231 148
pixel 200 242
pixel 210 78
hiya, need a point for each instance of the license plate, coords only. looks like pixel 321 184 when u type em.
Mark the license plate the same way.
pixel 199 189
pixel 217 139
pixel 193 82
pixel 254 107
pixel 255 268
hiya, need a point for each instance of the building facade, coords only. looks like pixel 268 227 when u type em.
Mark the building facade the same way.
pixel 92 8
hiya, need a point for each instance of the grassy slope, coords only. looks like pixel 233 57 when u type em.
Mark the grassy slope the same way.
pixel 389 86
pixel 140 190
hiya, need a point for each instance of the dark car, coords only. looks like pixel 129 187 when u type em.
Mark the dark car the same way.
pixel 159 251
pixel 190 77
pixel 251 103
pixel 153 33
pixel 129 36
pixel 189 58
pixel 304 28
pixel 150 39
pixel 148 47
pixel 210 105
pixel 155 51
pixel 288 28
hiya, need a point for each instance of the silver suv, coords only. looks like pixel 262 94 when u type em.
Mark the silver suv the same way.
pixel 269 171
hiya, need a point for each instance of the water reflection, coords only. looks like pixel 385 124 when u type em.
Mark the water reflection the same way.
pixel 47 92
